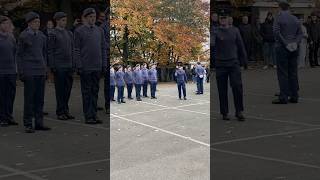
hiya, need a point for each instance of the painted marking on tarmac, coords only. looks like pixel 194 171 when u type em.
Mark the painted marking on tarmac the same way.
pixel 266 158
pixel 19 172
pixel 78 124
pixel 267 95
pixel 277 120
pixel 189 99
pixel 265 136
pixel 164 131
pixel 26 173
pixel 161 109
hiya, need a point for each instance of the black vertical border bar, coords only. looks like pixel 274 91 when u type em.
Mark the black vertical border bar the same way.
pixel 212 88
pixel 107 86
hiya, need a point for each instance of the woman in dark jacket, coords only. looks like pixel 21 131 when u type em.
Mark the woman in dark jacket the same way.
pixel 268 41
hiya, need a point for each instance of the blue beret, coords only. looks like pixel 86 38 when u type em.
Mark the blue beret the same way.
pixel 31 16
pixel 59 15
pixel 88 11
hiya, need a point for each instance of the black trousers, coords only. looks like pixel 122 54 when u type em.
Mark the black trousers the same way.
pixel 108 91
pixel 153 89
pixel 223 75
pixel 63 81
pixel 90 91
pixel 313 54
pixel 120 93
pixel 145 89
pixel 34 90
pixel 7 96
pixel 182 87
pixel 287 63
pixel 129 90
pixel 138 90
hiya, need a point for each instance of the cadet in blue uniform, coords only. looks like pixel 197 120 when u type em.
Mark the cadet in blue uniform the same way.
pixel 112 84
pixel 128 77
pixel 288 34
pixel 229 56
pixel 90 56
pixel 137 80
pixel 60 59
pixel 119 77
pixel 200 71
pixel 182 79
pixel 153 79
pixel 32 69
pixel 8 72
pixel 144 72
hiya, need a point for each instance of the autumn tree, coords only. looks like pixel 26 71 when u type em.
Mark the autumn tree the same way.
pixel 164 31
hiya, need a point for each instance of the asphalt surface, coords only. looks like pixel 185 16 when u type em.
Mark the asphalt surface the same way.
pixel 70 151
pixel 170 142
pixel 162 139
pixel 277 142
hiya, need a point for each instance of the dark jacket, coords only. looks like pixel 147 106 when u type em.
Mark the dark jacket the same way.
pixel 287 29
pixel 313 30
pixel 60 49
pixel 128 77
pixel 32 53
pixel 119 77
pixel 181 76
pixel 266 31
pixel 7 54
pixel 229 46
pixel 90 48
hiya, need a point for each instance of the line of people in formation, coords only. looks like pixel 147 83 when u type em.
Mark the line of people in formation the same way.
pixel 229 54
pixel 140 77
pixel 84 51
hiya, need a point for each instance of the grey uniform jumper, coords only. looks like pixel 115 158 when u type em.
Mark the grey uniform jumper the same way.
pixel 32 66
pixel 60 59
pixel 287 30
pixel 90 48
pixel 60 49
pixel 32 53
pixel 8 77
pixel 91 60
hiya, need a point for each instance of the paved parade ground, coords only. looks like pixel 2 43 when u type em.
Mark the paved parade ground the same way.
pixel 162 139
pixel 169 138
pixel 277 142
pixel 153 139
pixel 70 151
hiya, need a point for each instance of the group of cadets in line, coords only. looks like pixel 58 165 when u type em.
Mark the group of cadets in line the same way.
pixel 140 77
pixel 130 77
pixel 63 52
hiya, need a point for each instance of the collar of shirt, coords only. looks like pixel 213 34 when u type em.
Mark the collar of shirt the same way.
pixel 60 28
pixel 31 31
pixel 88 25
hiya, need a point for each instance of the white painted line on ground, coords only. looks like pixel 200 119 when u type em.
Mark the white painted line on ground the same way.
pixel 277 120
pixel 25 173
pixel 143 112
pixel 78 124
pixel 164 131
pixel 265 136
pixel 19 172
pixel 161 109
pixel 189 99
pixel 266 158
pixel 197 112
pixel 268 95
